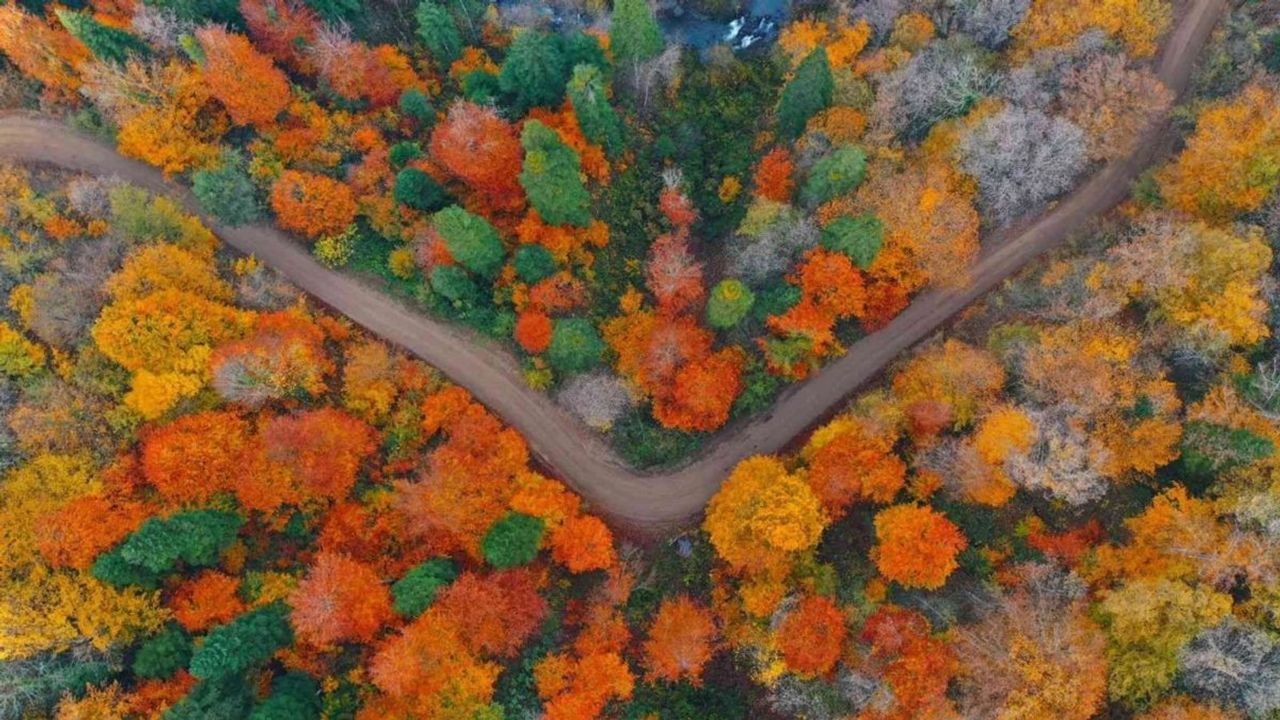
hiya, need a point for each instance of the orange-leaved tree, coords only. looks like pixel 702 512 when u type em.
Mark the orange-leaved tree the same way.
pixel 681 641
pixel 916 546
pixel 247 83
pixel 311 204
pixel 340 599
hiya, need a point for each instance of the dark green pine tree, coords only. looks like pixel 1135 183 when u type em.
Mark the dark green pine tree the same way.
pixel 596 117
pixel 242 643
pixel 806 94
pixel 294 696
pixel 534 72
pixel 439 32
pixel 226 12
pixel 105 42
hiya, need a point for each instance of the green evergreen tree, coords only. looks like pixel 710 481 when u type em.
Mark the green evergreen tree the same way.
pixel 403 153
pixel 111 568
pixel 419 191
pixel 242 643
pixel 513 540
pixel 481 87
pixel 416 104
pixel 439 32
pixel 227 193
pixel 195 537
pixel 163 654
pixel 583 49
pixel 199 12
pixel 453 284
pixel 806 94
pixel 336 11
pixel 534 72
pixel 596 117
pixel 471 240
pixel 105 42
pixel 414 593
pixel 294 696
pixel 226 698
pixel 858 237
pixel 634 35
pixel 533 263
pixel 730 301
pixel 552 177
pixel 836 174
pixel 575 346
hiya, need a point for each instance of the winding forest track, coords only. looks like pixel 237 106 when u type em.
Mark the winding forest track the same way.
pixel 635 499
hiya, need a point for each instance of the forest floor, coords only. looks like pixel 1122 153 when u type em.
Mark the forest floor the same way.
pixel 669 498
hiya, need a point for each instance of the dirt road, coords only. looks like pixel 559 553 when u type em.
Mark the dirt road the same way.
pixel 637 500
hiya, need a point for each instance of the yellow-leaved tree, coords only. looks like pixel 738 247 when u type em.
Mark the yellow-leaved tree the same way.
pixel 1232 161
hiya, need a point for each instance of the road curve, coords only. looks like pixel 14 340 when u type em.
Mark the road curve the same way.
pixel 636 500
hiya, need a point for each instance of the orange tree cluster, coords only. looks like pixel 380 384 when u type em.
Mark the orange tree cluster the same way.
pixel 509 177
pixel 1064 517
pixel 221 503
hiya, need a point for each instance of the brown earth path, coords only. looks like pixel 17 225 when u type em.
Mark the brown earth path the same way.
pixel 637 500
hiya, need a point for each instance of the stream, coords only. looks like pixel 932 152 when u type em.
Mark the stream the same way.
pixel 757 26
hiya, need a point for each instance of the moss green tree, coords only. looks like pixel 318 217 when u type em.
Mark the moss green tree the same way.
pixel 836 174
pixel 552 177
pixel 226 698
pixel 634 35
pixel 105 42
pixel 729 303
pixel 227 193
pixel 575 345
pixel 806 94
pixel 858 237
pixel 471 240
pixel 194 537
pixel 415 104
